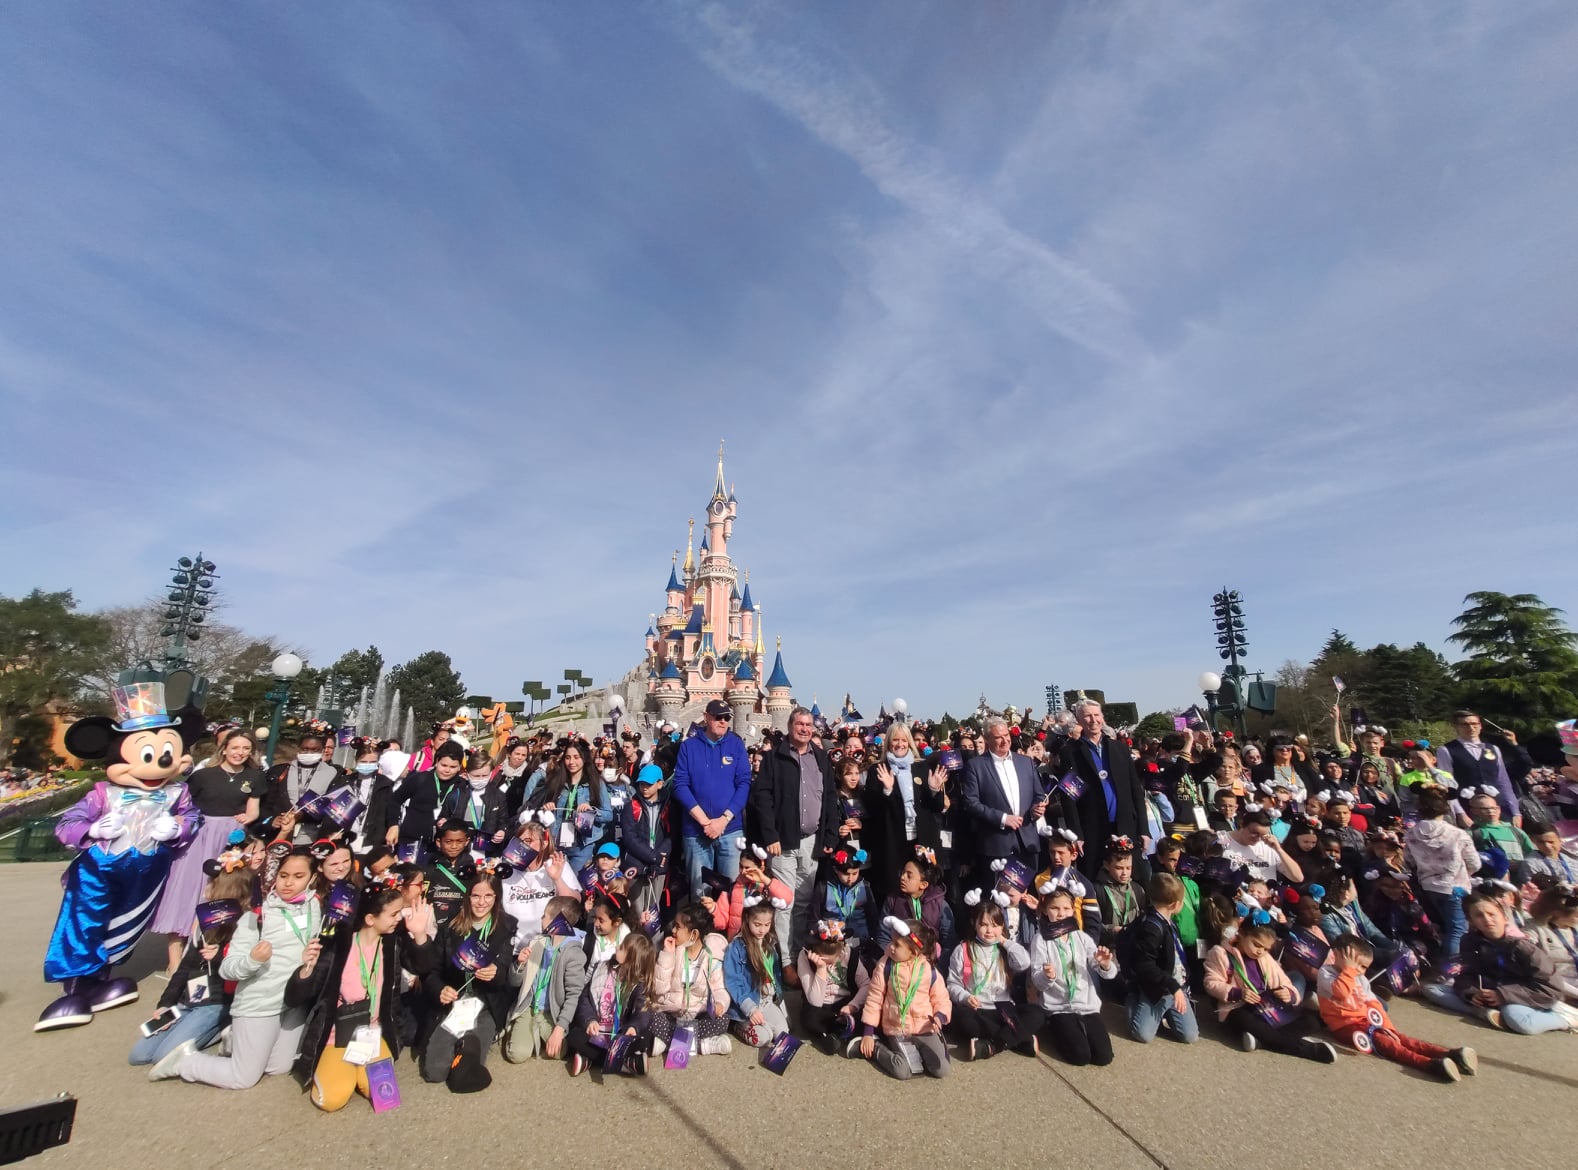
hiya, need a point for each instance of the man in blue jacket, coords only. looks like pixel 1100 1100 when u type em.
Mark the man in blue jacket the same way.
pixel 712 779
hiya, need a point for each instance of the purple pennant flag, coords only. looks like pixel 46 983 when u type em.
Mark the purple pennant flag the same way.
pixel 411 853
pixel 952 760
pixel 1276 1013
pixel 1071 785
pixel 340 905
pixel 311 805
pixel 1403 972
pixel 1307 948
pixel 621 1052
pixel 213 915
pixel 518 854
pixel 470 955
pixel 343 808
pixel 778 1052
pixel 1016 874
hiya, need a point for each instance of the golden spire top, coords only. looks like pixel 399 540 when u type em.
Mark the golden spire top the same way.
pixel 760 647
pixel 690 556
pixel 780 643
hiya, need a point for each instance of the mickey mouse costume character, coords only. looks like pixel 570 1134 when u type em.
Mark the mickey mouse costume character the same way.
pixel 127 830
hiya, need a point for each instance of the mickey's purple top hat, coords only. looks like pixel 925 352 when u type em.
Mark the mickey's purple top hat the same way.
pixel 140 707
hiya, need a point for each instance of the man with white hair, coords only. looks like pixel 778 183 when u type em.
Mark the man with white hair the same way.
pixel 1001 794
pixel 1111 802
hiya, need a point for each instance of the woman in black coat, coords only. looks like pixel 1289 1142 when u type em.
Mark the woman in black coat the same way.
pixel 888 832
pixel 480 928
pixel 376 945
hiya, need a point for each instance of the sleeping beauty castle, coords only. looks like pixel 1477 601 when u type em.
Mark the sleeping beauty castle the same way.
pixel 707 643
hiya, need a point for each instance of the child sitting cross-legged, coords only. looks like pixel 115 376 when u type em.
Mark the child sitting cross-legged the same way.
pixel 1251 992
pixel 907 1005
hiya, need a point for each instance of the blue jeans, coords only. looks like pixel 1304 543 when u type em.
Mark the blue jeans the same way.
pixel 201 1023
pixel 1515 1017
pixel 1446 911
pixel 1146 1017
pixel 722 855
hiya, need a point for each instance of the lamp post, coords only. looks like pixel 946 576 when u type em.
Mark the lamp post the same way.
pixel 190 595
pixel 616 707
pixel 286 667
pixel 1210 685
pixel 901 710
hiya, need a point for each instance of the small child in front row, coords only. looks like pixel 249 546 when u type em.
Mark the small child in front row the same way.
pixel 552 973
pixel 1065 964
pixel 753 977
pixel 833 980
pixel 1063 846
pixel 1160 978
pixel 690 994
pixel 1347 1005
pixel 1241 976
pixel 907 1005
pixel 1120 897
pixel 922 898
pixel 987 1016
pixel 615 1001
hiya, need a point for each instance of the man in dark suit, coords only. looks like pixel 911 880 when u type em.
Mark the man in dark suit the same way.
pixel 1113 801
pixel 1002 797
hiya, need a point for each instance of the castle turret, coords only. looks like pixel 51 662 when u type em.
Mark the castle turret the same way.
pixel 670 693
pixel 779 701
pixel 743 694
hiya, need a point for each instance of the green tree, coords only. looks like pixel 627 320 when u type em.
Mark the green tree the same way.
pixel 431 684
pixel 1522 664
pixel 1405 687
pixel 47 650
pixel 1154 726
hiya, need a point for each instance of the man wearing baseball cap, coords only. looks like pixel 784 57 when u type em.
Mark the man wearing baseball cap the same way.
pixel 712 779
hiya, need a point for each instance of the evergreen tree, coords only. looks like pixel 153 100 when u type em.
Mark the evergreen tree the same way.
pixel 1522 664
pixel 431 684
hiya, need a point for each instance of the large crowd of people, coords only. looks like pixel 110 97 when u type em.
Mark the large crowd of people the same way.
pixel 887 894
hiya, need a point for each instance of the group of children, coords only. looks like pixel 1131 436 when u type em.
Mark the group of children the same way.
pixel 328 963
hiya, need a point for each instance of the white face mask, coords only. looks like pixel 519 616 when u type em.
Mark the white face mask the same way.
pixel 609 774
pixel 478 783
pixel 310 759
pixel 367 769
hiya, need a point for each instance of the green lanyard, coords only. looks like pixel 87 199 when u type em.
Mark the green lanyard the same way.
pixel 473 813
pixel 484 931
pixel 915 908
pixel 290 921
pixel 368 979
pixel 687 971
pixel 772 970
pixel 1065 959
pixel 977 982
pixel 1128 903
pixel 908 997
pixel 453 880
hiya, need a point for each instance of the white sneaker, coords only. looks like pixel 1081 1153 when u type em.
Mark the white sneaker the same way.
pixel 169 1065
pixel 717 1046
pixel 659 1046
pixel 1248 1042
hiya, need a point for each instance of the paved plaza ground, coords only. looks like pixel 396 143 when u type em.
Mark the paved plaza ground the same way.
pixel 1163 1105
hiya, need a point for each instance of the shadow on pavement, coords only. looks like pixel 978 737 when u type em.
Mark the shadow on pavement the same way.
pixel 692 1124
pixel 1525 1070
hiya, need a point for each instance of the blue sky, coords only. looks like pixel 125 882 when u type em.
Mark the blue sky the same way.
pixel 1029 325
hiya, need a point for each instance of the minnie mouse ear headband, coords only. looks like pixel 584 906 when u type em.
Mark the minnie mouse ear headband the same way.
pixel 493 867
pixel 759 852
pixel 1120 844
pixel 322 847
pixel 829 929
pixel 1291 895
pixel 926 853
pixel 848 859
pixel 974 897
pixel 757 899
pixel 1253 915
pixel 543 817
pixel 231 858
pixel 1384 870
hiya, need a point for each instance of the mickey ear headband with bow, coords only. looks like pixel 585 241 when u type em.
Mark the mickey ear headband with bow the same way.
pixel 1121 843
pixel 322 848
pixel 1471 792
pixel 896 926
pixel 974 898
pixel 756 850
pixel 926 853
pixel 231 858
pixel 388 880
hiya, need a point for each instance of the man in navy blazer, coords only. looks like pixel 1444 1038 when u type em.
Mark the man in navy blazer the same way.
pixel 1001 794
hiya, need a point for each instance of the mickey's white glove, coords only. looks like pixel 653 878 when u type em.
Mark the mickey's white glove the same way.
pixel 108 827
pixel 164 828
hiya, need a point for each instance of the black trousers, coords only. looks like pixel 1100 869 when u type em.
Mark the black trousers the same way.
pixel 989 1024
pixel 821 1021
pixel 1288 1040
pixel 1080 1037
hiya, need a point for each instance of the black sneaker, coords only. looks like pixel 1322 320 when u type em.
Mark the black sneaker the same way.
pixel 1466 1059
pixel 1320 1052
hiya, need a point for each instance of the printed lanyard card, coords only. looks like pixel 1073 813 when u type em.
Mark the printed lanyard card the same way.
pixel 382 1087
pixel 678 1055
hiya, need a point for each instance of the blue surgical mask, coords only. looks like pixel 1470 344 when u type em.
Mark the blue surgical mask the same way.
pixel 367 769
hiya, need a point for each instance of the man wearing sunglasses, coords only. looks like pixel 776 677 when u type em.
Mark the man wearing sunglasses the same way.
pixel 712 779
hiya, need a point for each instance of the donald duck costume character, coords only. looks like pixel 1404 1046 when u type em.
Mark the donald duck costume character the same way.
pixel 126 831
